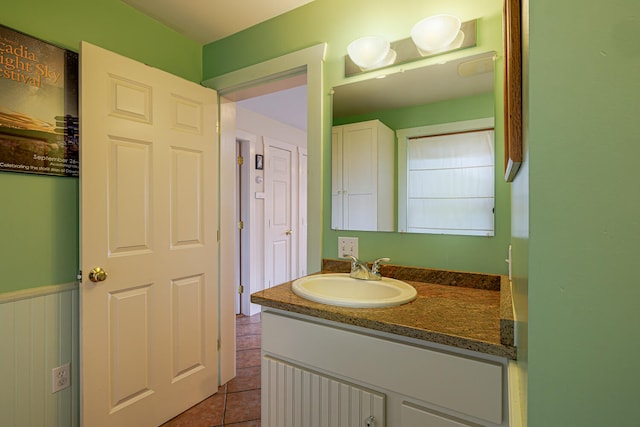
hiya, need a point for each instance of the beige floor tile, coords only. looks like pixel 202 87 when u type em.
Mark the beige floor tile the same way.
pixel 242 393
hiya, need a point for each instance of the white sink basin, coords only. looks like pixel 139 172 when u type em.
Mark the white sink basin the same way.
pixel 341 290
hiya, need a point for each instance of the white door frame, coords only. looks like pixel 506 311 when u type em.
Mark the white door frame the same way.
pixel 227 238
pixel 251 253
pixel 302 213
pixel 241 236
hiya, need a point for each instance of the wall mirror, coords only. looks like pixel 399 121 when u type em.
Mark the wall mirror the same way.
pixel 454 91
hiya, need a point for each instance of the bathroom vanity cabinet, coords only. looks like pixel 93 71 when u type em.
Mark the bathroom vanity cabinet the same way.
pixel 362 177
pixel 317 372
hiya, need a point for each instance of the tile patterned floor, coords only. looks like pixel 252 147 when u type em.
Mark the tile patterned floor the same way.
pixel 237 403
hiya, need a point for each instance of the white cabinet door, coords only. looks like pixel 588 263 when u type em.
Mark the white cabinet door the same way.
pixel 412 416
pixel 359 176
pixel 363 177
pixel 295 397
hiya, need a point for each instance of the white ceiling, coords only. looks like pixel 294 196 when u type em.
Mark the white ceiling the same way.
pixel 287 106
pixel 206 21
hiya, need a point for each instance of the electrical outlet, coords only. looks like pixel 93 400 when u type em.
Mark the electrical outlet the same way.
pixel 347 246
pixel 60 378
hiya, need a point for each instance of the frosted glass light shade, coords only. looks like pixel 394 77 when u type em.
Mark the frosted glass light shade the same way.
pixel 435 32
pixel 457 42
pixel 367 52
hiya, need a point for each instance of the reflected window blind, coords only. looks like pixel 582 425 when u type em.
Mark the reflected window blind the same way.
pixel 450 181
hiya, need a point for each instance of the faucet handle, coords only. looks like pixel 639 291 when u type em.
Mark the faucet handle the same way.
pixel 354 261
pixel 375 268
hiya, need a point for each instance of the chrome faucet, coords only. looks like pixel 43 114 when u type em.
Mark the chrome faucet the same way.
pixel 360 270
pixel 375 268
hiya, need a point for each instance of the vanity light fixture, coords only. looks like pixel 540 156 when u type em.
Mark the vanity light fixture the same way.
pixel 431 36
pixel 371 52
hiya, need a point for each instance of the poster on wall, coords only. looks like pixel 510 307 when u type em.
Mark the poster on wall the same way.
pixel 38 106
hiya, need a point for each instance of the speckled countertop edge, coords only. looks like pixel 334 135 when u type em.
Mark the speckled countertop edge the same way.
pixel 459 316
pixel 507 319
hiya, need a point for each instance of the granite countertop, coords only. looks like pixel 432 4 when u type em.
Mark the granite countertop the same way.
pixel 464 310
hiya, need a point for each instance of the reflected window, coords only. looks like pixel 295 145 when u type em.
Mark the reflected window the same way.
pixel 448 179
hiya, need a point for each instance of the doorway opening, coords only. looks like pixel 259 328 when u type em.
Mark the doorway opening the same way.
pixel 309 60
pixel 271 186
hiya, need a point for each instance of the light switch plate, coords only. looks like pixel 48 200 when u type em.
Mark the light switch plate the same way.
pixel 347 246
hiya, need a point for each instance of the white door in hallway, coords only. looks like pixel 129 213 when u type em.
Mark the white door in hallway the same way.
pixel 149 219
pixel 281 211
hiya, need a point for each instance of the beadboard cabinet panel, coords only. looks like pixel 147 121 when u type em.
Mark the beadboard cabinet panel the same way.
pixel 293 396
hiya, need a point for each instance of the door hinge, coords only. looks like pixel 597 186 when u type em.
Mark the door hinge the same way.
pixel 240 160
pixel 218 235
pixel 240 225
pixel 219 345
pixel 240 289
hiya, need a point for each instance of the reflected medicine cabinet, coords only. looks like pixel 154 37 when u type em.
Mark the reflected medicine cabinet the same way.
pixel 362 177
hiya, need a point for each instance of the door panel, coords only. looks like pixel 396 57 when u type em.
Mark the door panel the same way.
pixel 188 326
pixel 149 218
pixel 186 198
pixel 129 208
pixel 129 340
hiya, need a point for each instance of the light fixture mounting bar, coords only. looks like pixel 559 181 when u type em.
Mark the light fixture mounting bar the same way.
pixel 406 50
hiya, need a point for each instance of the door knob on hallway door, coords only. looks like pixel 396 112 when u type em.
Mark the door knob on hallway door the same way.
pixel 97 275
pixel 288 232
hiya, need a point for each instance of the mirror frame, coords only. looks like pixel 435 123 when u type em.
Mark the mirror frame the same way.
pixel 512 88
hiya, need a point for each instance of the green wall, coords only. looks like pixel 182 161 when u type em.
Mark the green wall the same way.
pixel 584 213
pixel 520 235
pixel 338 23
pixel 39 214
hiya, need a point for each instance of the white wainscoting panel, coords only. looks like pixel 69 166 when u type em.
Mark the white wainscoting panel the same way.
pixel 38 332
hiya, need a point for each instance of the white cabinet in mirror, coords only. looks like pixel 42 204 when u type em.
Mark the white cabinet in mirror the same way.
pixel 362 181
pixel 446 179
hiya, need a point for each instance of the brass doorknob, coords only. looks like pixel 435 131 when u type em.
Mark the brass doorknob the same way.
pixel 288 232
pixel 97 275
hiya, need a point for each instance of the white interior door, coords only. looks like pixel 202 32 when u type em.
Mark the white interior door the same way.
pixel 149 219
pixel 280 217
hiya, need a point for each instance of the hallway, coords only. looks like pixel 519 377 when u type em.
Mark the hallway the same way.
pixel 237 403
